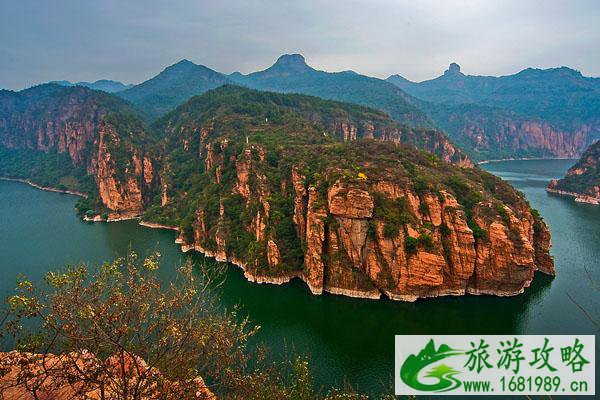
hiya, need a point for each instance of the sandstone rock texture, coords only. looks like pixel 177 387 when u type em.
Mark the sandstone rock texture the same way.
pixel 521 136
pixel 290 186
pixel 346 200
pixel 349 250
pixel 431 140
pixel 123 195
pixel 68 377
pixel 90 130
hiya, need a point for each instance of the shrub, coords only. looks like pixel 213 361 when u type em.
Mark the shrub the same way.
pixel 393 213
pixel 425 240
pixel 390 230
pixel 187 228
pixel 410 245
pixel 445 229
pixel 478 232
pixel 90 213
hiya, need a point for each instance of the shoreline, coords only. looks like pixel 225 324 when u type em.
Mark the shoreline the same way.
pixel 154 225
pixel 579 197
pixel 523 159
pixel 262 279
pixel 45 188
pixel 219 257
pixel 186 248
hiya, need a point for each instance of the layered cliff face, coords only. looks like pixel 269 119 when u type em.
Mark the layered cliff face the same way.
pixel 78 139
pixel 491 133
pixel 583 179
pixel 124 174
pixel 367 237
pixel 50 117
pixel 284 197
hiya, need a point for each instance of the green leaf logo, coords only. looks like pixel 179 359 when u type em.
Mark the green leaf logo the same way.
pixel 409 372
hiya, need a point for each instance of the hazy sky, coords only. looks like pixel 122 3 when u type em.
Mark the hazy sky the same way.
pixel 43 40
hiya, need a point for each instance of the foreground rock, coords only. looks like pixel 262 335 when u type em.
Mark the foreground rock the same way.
pixel 76 376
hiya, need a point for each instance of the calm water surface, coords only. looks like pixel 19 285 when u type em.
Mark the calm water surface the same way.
pixel 347 340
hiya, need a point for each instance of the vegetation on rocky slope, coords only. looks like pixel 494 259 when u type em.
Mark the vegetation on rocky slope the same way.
pixel 286 186
pixel 534 113
pixel 252 177
pixel 60 136
pixel 172 87
pixel 291 74
pixel 583 177
pixel 289 185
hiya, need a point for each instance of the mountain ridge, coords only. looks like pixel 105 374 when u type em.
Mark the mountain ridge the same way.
pixel 105 85
pixel 347 215
pixel 534 113
pixel 286 186
pixel 173 86
pixel 291 74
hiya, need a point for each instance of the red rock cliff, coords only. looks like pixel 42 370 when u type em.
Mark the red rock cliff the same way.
pixel 351 248
pixel 93 132
pixel 506 135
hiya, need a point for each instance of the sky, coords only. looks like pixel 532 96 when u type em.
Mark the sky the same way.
pixel 133 40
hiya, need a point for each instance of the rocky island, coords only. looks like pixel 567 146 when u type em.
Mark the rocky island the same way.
pixel 285 186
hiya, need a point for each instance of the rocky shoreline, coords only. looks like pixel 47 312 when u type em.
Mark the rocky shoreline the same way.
pixel 273 280
pixel 579 197
pixel 46 188
pixel 523 159
pixel 154 225
pixel 110 218
pixel 288 276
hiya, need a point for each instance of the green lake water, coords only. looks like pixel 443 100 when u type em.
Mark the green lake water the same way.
pixel 347 340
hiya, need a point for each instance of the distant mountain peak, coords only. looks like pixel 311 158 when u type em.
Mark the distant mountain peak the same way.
pixel 291 59
pixel 184 64
pixel 291 63
pixel 398 79
pixel 184 61
pixel 453 70
pixel 173 86
pixel 557 72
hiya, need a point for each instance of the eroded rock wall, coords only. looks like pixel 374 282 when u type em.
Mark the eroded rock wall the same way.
pixel 349 250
